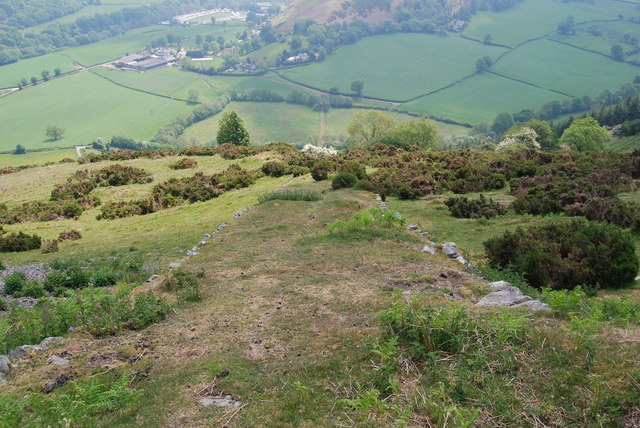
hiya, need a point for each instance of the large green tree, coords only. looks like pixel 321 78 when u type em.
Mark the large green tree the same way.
pixel 502 123
pixel 365 127
pixel 416 132
pixel 54 132
pixel 232 130
pixel 585 135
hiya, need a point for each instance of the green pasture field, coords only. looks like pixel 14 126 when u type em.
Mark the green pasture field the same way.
pixel 160 237
pixel 138 39
pixel 293 124
pixel 396 67
pixel 87 107
pixel 265 122
pixel 564 68
pixel 36 158
pixel 535 18
pixel 481 98
pixel 267 55
pixel 174 82
pixel 11 74
pixel 612 34
pixel 628 144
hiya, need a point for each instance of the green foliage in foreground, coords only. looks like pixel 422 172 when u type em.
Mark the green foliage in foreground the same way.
pixel 291 195
pixel 98 311
pixel 371 224
pixel 72 406
pixel 464 365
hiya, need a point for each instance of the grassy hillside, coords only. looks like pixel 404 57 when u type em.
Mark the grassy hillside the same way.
pixel 160 237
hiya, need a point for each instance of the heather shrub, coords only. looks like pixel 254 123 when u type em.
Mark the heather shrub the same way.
pixel 184 163
pixel 344 180
pixel 463 207
pixel 4 306
pixel 69 235
pixel 275 168
pixel 568 254
pixel 50 247
pixel 31 289
pixel 184 285
pixel 20 241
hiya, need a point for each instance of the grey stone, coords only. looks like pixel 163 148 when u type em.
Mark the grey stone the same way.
pixel 223 225
pixel 424 234
pixel 378 198
pixel 3 379
pixel 227 401
pixel 535 305
pixel 428 249
pixel 238 213
pixel 203 242
pixel 500 285
pixel 191 253
pixel 195 248
pixel 449 248
pixel 397 214
pixel 174 265
pixel 50 341
pixel 637 278
pixel 71 329
pixel 154 277
pixel 17 353
pixel 504 298
pixel 414 227
pixel 206 235
pixel 5 364
pixel 58 361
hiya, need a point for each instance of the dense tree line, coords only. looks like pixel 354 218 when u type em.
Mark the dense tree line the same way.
pixel 15 45
pixel 27 13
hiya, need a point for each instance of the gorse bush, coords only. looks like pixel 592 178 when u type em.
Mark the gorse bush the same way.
pixel 344 180
pixel 179 191
pixel 564 255
pixel 17 242
pixel 291 195
pixel 321 169
pixel 463 207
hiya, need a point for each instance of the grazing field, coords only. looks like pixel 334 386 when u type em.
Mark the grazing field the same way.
pixel 481 98
pixel 87 107
pixel 396 67
pixel 174 82
pixel 628 144
pixel 267 55
pixel 535 18
pixel 564 68
pixel 11 74
pixel 612 33
pixel 265 122
pixel 161 236
pixel 293 124
pixel 36 158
